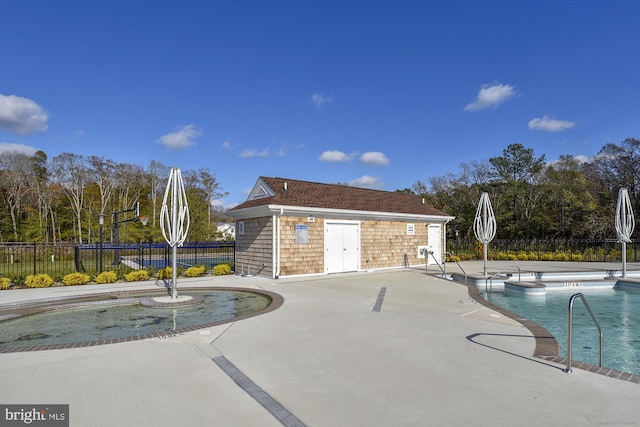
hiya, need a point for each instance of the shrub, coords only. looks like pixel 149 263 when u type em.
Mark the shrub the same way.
pixel 455 258
pixel 522 256
pixel 547 256
pixel 76 279
pixel 576 257
pixel 165 273
pixel 195 271
pixel 4 283
pixel 221 269
pixel 561 256
pixel 38 281
pixel 106 277
pixel 136 276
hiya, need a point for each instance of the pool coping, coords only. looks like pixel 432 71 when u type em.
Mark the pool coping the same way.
pixel 124 297
pixel 546 344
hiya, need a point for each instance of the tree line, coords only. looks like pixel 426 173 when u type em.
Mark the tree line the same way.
pixel 535 199
pixel 61 199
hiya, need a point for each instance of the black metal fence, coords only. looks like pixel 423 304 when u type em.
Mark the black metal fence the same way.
pixel 606 250
pixel 18 260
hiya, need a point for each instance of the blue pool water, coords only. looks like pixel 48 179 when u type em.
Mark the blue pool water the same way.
pixel 617 311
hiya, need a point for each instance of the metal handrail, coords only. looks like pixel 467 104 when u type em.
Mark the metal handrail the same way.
pixel 504 270
pixel 437 263
pixel 459 266
pixel 570 327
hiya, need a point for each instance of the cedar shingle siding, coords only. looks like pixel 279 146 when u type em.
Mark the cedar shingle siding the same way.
pixel 269 245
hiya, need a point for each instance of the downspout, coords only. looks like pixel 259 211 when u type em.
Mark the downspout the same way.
pixel 274 241
pixel 277 270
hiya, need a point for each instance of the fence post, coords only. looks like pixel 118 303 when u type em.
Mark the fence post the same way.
pixel 34 258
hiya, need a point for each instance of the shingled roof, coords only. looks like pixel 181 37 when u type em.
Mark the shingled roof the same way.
pixel 284 192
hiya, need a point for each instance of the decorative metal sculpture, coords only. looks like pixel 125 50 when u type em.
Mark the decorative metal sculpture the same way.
pixel 624 224
pixel 484 225
pixel 175 223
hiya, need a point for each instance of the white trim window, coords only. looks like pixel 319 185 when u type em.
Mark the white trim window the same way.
pixel 241 228
pixel 411 229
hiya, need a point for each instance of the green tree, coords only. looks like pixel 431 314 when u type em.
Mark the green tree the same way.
pixel 518 170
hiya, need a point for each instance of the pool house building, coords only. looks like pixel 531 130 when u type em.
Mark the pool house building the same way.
pixel 289 227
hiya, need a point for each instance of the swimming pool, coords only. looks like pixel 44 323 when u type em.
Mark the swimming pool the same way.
pixel 617 311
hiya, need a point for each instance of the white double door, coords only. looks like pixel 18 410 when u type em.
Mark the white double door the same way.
pixel 341 246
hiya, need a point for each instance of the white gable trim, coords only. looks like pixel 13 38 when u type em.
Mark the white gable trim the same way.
pixel 260 190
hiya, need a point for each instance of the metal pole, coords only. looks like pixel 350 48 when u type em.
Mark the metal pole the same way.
pixel 624 259
pixel 101 220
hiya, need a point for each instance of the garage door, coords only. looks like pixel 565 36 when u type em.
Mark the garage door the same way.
pixel 341 247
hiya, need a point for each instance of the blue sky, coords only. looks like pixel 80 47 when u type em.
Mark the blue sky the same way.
pixel 372 93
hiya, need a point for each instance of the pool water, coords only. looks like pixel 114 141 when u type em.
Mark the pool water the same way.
pixel 102 322
pixel 617 312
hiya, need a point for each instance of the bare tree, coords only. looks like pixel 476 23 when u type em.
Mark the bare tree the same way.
pixel 209 184
pixel 102 172
pixel 70 171
pixel 16 179
pixel 158 174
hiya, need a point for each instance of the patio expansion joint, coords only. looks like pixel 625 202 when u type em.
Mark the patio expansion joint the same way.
pixel 285 417
pixel 378 304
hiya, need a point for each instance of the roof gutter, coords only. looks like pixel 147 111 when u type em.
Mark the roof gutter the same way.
pixel 269 210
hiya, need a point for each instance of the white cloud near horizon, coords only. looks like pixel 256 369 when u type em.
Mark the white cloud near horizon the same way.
pixel 250 152
pixel 375 158
pixel 491 96
pixel 319 99
pixel 366 181
pixel 6 147
pixel 182 138
pixel 336 156
pixel 550 125
pixel 22 115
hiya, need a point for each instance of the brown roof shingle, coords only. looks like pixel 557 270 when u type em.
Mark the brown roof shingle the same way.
pixel 334 196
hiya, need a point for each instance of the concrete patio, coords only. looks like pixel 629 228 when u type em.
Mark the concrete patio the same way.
pixel 384 348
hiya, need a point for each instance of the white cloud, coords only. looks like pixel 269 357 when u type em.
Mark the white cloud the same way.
pixel 550 125
pixel 375 158
pixel 249 152
pixel 182 138
pixel 582 158
pixel 491 96
pixel 18 148
pixel 335 156
pixel 319 99
pixel 366 181
pixel 226 144
pixel 22 115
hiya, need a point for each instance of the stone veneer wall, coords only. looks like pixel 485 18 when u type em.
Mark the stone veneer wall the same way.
pixel 254 252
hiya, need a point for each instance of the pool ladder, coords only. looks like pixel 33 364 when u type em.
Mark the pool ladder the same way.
pixel 489 280
pixel 570 329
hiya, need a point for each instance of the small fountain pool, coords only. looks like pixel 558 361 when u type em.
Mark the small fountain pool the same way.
pixel 111 318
